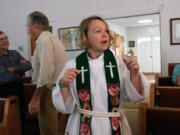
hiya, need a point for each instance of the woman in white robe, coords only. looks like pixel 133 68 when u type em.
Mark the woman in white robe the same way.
pixel 65 98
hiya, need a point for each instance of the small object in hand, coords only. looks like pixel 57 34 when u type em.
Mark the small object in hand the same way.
pixel 129 55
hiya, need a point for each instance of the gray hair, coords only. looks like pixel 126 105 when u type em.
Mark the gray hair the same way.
pixel 39 19
pixel 1 32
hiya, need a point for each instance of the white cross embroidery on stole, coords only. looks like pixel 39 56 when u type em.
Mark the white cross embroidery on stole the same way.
pixel 82 74
pixel 110 66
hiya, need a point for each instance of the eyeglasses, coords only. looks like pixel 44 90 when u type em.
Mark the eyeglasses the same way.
pixel 4 38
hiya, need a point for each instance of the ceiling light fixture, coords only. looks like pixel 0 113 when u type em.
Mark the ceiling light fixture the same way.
pixel 145 21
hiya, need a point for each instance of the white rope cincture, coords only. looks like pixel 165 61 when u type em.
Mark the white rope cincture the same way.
pixel 98 114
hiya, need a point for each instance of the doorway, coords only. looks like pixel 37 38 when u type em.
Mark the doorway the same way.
pixel 148 48
pixel 144 32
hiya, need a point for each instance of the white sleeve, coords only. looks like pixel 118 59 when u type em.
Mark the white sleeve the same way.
pixel 68 106
pixel 131 93
pixel 59 104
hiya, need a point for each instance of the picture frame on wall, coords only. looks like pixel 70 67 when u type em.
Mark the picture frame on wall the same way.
pixel 69 38
pixel 175 31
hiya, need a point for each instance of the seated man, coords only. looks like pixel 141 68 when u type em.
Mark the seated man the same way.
pixel 176 75
pixel 12 67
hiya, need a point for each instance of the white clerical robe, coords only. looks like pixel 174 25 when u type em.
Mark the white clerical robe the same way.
pixel 99 125
pixel 48 59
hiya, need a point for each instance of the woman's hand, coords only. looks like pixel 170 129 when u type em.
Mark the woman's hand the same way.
pixel 69 76
pixel 132 65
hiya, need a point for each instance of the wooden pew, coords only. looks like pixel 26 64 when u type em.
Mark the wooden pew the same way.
pixel 32 126
pixel 170 68
pixel 158 120
pixel 10 123
pixel 164 93
pixel 28 93
pixel 31 121
pixel 164 96
pixel 27 79
pixel 163 81
pixel 3 119
pixel 166 80
pixel 2 104
pixel 131 112
pixel 167 96
pixel 29 89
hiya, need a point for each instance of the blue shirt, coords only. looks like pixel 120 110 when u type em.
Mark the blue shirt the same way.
pixel 12 59
pixel 176 72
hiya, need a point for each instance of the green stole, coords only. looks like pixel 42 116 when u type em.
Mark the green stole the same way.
pixel 84 91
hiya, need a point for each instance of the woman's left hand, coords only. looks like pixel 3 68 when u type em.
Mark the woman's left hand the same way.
pixel 132 65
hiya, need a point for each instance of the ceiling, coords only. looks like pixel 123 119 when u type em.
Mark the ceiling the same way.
pixel 133 21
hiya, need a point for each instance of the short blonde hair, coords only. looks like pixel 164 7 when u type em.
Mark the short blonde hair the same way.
pixel 84 27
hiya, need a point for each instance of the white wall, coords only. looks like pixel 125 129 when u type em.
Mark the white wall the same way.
pixel 169 53
pixel 120 30
pixel 64 13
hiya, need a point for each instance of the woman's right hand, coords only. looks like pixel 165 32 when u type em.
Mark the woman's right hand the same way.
pixel 69 76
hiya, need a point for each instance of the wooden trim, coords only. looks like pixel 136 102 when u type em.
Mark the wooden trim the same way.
pixel 152 95
pixel 168 87
pixel 142 118
pixel 11 119
pixel 5 113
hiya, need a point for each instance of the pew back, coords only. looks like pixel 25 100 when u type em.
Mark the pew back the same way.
pixel 28 94
pixel 2 104
pixel 171 68
pixel 158 121
pixel 27 79
pixel 163 81
pixel 11 122
pixel 167 96
pixel 164 96
pixel 164 93
pixel 32 126
pixel 31 120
